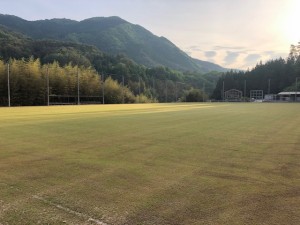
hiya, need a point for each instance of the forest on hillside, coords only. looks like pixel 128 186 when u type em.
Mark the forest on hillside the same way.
pixel 160 83
pixel 272 77
pixel 27 82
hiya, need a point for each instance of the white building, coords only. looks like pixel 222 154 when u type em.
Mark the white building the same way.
pixel 289 96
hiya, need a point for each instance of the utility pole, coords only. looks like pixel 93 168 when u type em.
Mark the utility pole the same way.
pixel 269 86
pixel 223 92
pixel 245 88
pixel 139 90
pixel 176 92
pixel 78 90
pixel 103 88
pixel 8 85
pixel 48 88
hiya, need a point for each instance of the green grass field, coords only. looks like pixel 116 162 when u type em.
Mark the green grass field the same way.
pixel 158 164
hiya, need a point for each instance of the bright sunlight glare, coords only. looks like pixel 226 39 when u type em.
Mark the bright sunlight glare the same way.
pixel 290 24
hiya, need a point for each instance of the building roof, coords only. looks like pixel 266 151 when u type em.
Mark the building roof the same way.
pixel 289 93
pixel 233 90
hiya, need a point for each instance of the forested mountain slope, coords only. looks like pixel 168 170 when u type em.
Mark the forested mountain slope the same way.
pixel 112 35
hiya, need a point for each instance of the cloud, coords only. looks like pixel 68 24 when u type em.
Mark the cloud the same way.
pixel 268 52
pixel 194 48
pixel 252 58
pixel 228 48
pixel 231 57
pixel 275 55
pixel 210 54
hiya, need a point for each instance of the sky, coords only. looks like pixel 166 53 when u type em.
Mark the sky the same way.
pixel 236 34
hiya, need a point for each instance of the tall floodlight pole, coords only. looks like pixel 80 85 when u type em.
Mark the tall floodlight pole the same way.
pixel 139 90
pixel 103 98
pixel 8 85
pixel 78 90
pixel 48 88
pixel 223 92
pixel 245 87
pixel 175 91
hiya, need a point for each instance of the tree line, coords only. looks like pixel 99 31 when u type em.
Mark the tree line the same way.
pixel 31 83
pixel 28 82
pixel 272 77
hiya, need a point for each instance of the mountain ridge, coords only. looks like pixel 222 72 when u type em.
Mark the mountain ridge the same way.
pixel 112 35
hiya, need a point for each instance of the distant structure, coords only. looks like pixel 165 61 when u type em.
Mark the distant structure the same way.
pixel 271 98
pixel 256 95
pixel 289 96
pixel 233 95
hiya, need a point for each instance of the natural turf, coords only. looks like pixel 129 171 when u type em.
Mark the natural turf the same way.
pixel 210 164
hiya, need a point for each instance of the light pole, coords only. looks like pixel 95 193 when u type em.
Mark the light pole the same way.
pixel 139 89
pixel 176 97
pixel 103 98
pixel 245 87
pixel 223 92
pixel 78 88
pixel 8 85
pixel 48 89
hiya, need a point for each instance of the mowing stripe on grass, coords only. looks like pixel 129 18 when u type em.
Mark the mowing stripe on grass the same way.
pixel 68 210
pixel 145 164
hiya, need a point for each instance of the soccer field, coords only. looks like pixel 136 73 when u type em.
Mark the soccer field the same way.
pixel 158 164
